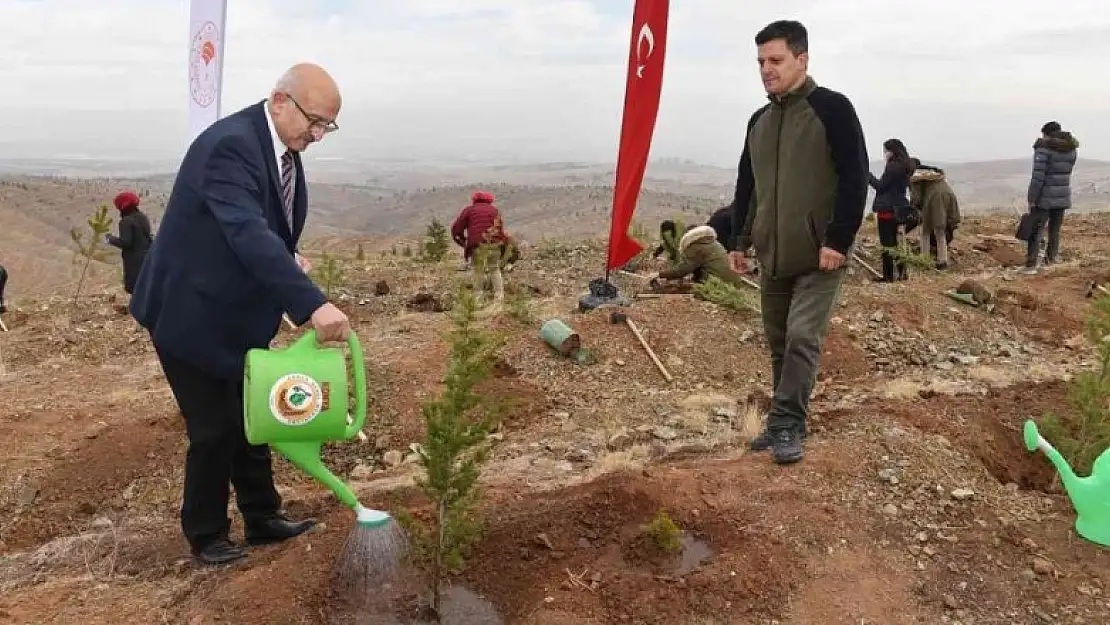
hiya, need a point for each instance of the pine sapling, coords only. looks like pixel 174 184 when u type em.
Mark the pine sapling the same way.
pixel 458 424
pixel 723 294
pixel 903 254
pixel 436 242
pixel 1082 433
pixel 90 244
pixel 328 274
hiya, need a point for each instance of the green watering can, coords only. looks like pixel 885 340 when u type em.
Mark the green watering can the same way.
pixel 295 399
pixel 1090 496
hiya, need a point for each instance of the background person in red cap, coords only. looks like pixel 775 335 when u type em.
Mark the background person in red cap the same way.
pixel 134 237
pixel 477 225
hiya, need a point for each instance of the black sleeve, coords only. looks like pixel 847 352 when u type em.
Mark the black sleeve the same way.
pixel 849 154
pixel 745 189
pixel 892 175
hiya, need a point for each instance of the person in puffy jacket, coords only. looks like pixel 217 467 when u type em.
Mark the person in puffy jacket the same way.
pixel 934 198
pixel 134 237
pixel 480 225
pixel 702 256
pixel 1054 156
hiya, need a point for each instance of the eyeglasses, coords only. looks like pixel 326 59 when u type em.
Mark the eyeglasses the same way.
pixel 314 122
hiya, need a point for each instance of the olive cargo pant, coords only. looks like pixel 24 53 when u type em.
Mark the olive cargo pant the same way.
pixel 796 315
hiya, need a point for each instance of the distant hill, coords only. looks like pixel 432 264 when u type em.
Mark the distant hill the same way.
pixel 382 201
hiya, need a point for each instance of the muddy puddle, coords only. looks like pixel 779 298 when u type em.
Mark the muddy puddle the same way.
pixel 458 606
pixel 694 552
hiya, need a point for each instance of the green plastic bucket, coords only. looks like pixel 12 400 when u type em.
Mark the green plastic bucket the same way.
pixel 560 336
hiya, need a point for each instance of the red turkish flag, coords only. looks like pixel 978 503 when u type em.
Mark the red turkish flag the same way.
pixel 641 106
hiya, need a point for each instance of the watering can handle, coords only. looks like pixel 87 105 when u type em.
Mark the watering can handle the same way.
pixel 358 370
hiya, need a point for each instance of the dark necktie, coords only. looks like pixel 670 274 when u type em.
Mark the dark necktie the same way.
pixel 287 186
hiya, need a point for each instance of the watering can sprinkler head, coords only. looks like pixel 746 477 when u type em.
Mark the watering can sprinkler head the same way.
pixel 371 518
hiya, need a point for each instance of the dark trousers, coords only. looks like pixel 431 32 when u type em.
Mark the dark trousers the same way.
pixel 796 315
pixel 3 283
pixel 218 455
pixel 888 237
pixel 1054 218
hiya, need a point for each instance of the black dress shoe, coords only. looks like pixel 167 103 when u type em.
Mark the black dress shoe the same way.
pixel 219 551
pixel 276 529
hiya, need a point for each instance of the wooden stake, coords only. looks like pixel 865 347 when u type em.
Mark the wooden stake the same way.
pixel 2 326
pixel 750 283
pixel 1104 290
pixel 869 268
pixel 650 352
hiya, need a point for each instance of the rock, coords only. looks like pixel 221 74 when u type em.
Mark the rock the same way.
pixel 890 476
pixel 1042 566
pixel 580 455
pixel 890 509
pixel 967 361
pixel 361 472
pixel 746 336
pixel 877 317
pixel 961 494
pixel 393 458
pixel 664 433
pixel 951 603
pixel 27 495
pixel 619 441
pixel 381 442
pixel 542 539
pixel 726 412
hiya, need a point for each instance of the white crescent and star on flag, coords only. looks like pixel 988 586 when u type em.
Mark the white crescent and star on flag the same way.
pixel 648 37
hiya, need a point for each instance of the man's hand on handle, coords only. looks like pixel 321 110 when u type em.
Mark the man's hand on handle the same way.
pixel 831 260
pixel 331 325
pixel 303 263
pixel 738 262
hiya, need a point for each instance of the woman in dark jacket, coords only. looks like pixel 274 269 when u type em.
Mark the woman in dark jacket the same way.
pixel 891 202
pixel 134 237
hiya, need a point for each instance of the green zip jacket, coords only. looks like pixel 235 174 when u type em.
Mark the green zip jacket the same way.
pixel 802 182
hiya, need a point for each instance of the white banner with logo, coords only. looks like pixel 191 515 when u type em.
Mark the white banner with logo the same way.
pixel 206 62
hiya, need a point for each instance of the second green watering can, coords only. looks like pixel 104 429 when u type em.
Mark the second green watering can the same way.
pixel 296 399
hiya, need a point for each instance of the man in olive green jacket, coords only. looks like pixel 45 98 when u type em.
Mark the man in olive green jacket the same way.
pixel 800 198
pixel 701 255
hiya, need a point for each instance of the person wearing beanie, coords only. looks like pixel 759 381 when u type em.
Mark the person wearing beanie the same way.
pixel 134 237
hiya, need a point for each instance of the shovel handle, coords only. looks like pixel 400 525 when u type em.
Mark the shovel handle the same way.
pixel 358 370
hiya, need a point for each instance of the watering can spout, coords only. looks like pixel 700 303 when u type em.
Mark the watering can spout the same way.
pixel 306 457
pixel 1034 441
pixel 1090 496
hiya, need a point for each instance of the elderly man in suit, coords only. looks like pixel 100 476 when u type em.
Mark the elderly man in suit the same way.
pixel 219 275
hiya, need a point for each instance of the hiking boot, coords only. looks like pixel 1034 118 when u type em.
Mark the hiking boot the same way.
pixel 765 440
pixel 787 446
pixel 218 552
pixel 1029 271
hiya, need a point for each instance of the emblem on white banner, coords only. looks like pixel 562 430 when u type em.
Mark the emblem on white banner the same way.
pixel 203 68
pixel 641 56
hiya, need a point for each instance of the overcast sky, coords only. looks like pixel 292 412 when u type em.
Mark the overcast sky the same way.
pixel 544 79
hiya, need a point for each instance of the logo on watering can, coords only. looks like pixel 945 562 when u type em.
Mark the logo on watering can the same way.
pixel 296 399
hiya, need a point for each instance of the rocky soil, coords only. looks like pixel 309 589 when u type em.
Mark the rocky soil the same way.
pixel 916 503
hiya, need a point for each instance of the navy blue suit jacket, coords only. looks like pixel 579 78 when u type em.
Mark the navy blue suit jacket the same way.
pixel 222 270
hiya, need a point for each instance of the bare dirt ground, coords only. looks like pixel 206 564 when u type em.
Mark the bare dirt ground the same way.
pixel 916 502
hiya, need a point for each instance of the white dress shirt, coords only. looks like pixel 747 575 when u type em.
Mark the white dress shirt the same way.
pixel 279 147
